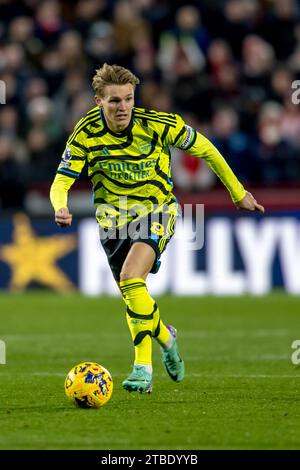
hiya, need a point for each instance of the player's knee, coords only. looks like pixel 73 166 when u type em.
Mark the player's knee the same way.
pixel 128 273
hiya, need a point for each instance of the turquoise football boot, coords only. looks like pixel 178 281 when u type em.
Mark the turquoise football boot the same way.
pixel 139 380
pixel 171 359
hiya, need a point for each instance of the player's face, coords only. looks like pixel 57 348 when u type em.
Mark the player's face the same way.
pixel 117 104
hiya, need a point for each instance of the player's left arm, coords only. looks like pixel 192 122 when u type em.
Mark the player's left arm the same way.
pixel 190 141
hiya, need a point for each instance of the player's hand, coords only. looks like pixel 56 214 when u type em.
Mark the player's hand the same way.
pixel 63 218
pixel 249 203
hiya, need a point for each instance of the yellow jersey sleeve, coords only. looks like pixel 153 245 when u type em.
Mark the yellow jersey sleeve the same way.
pixel 192 142
pixel 59 191
pixel 69 169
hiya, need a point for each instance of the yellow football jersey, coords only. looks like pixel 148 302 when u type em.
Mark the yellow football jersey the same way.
pixel 130 171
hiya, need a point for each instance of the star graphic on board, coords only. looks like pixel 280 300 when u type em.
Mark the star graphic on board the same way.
pixel 33 258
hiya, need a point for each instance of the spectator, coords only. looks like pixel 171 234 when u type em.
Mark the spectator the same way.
pixel 235 145
pixel 182 49
pixel 12 189
pixel 43 161
pixel 278 161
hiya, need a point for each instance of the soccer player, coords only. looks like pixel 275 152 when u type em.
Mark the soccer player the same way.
pixel 128 157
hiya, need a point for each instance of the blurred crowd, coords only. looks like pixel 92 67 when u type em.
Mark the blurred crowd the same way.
pixel 226 66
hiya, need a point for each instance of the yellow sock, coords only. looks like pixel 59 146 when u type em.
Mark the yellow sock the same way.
pixel 160 332
pixel 140 308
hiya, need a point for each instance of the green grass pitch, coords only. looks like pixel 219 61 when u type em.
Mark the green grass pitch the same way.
pixel 241 389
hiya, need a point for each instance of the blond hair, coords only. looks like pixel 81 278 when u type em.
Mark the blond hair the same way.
pixel 112 75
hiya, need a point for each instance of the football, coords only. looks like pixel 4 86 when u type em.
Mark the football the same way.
pixel 89 385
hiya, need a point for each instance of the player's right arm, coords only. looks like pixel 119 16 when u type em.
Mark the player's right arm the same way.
pixel 69 169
